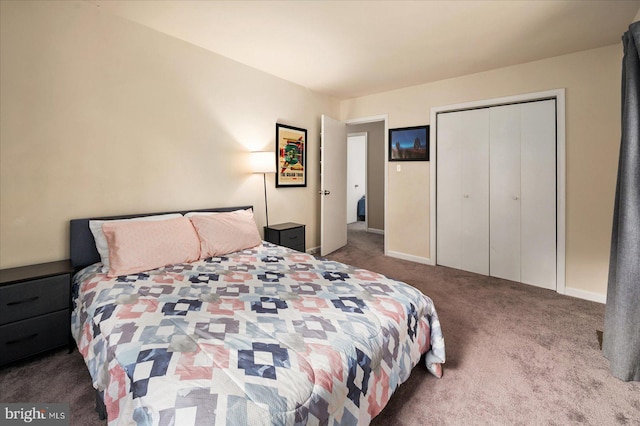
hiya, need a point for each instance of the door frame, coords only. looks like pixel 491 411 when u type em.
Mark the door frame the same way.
pixel 366 174
pixel 373 119
pixel 559 96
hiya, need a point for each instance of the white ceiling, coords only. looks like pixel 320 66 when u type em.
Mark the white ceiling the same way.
pixel 354 48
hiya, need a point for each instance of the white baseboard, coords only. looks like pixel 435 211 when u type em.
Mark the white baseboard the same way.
pixel 376 231
pixel 586 295
pixel 410 257
pixel 569 291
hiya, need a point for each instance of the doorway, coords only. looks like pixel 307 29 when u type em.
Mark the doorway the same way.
pixel 366 210
pixel 356 179
pixel 333 179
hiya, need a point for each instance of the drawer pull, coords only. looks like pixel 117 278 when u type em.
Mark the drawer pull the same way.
pixel 24 339
pixel 19 302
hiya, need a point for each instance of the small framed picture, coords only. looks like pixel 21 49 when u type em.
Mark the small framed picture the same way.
pixel 291 156
pixel 409 144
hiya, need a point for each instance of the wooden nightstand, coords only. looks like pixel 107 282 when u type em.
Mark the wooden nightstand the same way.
pixel 286 234
pixel 35 309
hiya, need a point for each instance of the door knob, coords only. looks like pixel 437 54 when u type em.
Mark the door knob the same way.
pixel 325 192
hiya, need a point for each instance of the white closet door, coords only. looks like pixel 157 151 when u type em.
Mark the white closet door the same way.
pixel 538 205
pixel 463 190
pixel 474 137
pixel 448 190
pixel 505 192
pixel 496 192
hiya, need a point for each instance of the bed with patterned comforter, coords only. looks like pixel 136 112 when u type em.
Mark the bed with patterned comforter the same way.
pixel 265 336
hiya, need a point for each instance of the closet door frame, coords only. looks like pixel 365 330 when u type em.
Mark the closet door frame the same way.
pixel 559 96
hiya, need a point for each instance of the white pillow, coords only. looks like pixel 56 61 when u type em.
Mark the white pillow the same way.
pixel 101 241
pixel 191 214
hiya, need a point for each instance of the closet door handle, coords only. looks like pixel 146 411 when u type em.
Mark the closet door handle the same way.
pixel 466 195
pixel 515 197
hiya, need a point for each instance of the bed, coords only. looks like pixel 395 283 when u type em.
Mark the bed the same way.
pixel 262 336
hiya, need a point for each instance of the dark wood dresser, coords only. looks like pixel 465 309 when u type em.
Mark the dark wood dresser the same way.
pixel 288 234
pixel 35 309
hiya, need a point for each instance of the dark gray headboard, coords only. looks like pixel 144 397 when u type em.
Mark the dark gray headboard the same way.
pixel 83 248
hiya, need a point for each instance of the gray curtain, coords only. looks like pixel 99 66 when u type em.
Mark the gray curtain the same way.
pixel 621 340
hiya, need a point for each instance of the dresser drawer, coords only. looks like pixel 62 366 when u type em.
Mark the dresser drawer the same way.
pixel 34 335
pixel 293 238
pixel 35 297
pixel 299 247
pixel 287 235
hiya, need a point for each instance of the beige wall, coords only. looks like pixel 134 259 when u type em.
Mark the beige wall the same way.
pixel 592 82
pixel 375 171
pixel 102 116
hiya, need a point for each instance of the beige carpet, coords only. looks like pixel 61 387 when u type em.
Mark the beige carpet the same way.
pixel 516 355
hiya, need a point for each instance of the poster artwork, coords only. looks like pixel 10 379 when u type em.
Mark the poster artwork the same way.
pixel 291 154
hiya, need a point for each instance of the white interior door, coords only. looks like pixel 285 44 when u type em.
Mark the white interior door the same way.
pixel 463 190
pixel 449 190
pixel 356 174
pixel 538 185
pixel 474 138
pixel 504 201
pixel 333 185
pixel 526 189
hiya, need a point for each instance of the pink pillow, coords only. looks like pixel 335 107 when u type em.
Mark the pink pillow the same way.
pixel 225 233
pixel 142 246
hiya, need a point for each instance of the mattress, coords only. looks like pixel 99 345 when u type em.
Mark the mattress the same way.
pixel 265 336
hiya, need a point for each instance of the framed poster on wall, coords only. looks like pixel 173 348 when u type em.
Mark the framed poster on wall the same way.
pixel 409 144
pixel 291 156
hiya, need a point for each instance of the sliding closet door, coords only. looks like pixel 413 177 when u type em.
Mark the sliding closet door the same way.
pixel 463 190
pixel 538 183
pixel 505 192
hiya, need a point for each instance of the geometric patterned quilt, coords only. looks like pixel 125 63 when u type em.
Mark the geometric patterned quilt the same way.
pixel 265 336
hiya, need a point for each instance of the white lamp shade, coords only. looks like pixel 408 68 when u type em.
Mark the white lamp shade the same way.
pixel 263 162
